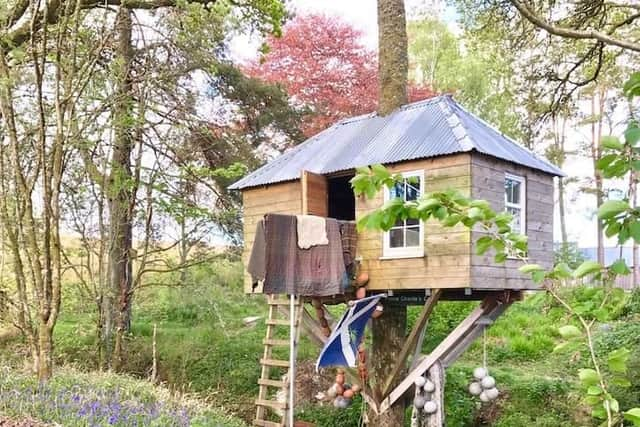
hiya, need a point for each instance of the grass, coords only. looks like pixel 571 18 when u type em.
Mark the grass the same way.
pixel 74 398
pixel 206 351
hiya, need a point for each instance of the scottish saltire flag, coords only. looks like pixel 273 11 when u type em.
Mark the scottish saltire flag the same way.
pixel 342 346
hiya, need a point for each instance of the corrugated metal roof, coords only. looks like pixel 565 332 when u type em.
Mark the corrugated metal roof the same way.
pixel 434 127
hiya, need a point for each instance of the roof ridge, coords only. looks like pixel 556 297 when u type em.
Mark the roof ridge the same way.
pixel 455 124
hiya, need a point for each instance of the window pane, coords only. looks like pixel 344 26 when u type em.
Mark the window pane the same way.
pixel 399 223
pixel 413 236
pixel 396 238
pixel 512 191
pixel 413 188
pixel 396 191
pixel 516 227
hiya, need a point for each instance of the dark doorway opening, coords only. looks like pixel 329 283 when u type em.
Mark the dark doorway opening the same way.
pixel 342 202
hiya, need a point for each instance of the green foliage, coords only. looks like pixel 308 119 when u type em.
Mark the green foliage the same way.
pixel 481 80
pixel 569 254
pixel 332 417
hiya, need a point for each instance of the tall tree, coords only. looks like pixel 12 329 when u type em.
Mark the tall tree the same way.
pixel 42 81
pixel 389 331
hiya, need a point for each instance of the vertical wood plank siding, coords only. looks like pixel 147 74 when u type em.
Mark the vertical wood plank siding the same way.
pixel 284 198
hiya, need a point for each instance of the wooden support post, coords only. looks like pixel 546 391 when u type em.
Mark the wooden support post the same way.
pixel 437 377
pixel 388 336
pixel 439 352
pixel 410 343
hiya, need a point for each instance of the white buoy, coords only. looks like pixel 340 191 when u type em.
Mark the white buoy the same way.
pixel 429 386
pixel 430 407
pixel 488 382
pixel 420 381
pixel 419 402
pixel 492 393
pixel 475 388
pixel 479 373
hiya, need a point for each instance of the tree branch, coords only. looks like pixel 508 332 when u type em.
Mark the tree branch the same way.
pixel 572 33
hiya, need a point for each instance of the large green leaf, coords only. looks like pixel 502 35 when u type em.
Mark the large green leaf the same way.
pixel 617 360
pixel 620 267
pixel 569 331
pixel 611 208
pixel 632 134
pixel 611 142
pixel 587 267
pixel 588 377
pixel 633 415
pixel 530 268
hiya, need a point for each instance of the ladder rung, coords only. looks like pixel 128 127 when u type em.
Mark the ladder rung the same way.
pixel 271 404
pixel 275 362
pixel 271 383
pixel 281 302
pixel 281 322
pixel 265 423
pixel 272 341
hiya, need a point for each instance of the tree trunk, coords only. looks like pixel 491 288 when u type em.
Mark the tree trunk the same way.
pixel 389 333
pixel 45 352
pixel 389 330
pixel 596 153
pixel 393 65
pixel 116 303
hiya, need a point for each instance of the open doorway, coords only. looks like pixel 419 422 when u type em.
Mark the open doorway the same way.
pixel 342 202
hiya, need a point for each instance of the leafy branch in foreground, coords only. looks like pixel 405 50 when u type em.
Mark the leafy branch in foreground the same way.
pixel 451 209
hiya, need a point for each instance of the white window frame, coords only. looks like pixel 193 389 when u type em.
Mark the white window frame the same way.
pixel 523 200
pixel 405 252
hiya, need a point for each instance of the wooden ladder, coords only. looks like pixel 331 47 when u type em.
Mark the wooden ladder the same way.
pixel 267 405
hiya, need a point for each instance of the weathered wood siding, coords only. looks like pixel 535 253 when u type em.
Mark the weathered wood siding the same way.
pixel 446 263
pixel 285 198
pixel 487 182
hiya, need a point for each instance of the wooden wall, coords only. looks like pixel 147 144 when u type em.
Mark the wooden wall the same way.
pixel 285 198
pixel 487 182
pixel 449 259
pixel 446 263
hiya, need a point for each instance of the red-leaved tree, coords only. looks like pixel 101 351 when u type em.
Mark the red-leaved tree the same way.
pixel 322 64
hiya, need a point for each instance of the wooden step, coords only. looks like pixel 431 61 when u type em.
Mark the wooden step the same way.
pixel 265 423
pixel 281 302
pixel 271 404
pixel 281 322
pixel 276 342
pixel 275 362
pixel 271 383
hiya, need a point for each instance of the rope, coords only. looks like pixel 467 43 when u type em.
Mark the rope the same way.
pixel 484 348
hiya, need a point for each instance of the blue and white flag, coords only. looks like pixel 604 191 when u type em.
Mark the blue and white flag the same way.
pixel 342 346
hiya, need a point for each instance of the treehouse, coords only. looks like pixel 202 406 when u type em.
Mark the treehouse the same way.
pixel 436 145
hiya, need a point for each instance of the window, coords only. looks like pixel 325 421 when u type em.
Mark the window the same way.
pixel 406 238
pixel 515 202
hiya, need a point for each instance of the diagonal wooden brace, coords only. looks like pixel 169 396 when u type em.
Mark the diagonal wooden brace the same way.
pixel 410 343
pixel 440 352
